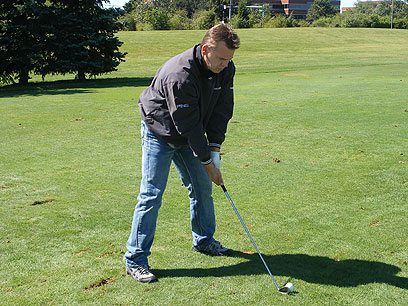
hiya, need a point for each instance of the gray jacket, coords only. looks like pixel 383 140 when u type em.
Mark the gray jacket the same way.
pixel 188 105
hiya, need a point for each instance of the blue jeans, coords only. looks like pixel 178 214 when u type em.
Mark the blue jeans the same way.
pixel 156 161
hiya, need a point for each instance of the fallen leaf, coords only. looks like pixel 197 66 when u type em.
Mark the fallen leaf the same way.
pixel 405 262
pixel 82 251
pixel 276 160
pixel 77 119
pixel 247 165
pixel 248 252
pixel 401 162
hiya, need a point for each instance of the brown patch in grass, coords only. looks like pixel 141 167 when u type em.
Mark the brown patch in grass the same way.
pixel 42 202
pixel 101 283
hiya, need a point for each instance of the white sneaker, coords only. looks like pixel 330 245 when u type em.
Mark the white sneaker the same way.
pixel 141 274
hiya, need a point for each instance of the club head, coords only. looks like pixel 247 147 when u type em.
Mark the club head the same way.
pixel 288 288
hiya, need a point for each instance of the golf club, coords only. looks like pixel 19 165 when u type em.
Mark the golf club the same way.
pixel 289 286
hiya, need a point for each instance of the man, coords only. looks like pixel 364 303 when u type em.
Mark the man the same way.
pixel 185 112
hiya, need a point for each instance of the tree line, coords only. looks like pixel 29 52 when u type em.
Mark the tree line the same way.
pixel 46 37
pixel 202 14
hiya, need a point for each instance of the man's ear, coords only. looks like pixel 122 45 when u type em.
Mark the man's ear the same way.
pixel 204 49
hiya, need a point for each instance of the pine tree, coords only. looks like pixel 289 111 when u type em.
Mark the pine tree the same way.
pixel 22 39
pixel 83 40
pixel 57 37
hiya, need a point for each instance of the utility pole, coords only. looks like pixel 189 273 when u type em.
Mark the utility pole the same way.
pixel 392 12
pixel 230 9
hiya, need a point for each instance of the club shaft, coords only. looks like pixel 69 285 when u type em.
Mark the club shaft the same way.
pixel 249 235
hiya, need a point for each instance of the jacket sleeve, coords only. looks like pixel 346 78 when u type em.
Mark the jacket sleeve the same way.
pixel 182 101
pixel 223 110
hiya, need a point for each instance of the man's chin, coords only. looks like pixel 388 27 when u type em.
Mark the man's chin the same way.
pixel 218 70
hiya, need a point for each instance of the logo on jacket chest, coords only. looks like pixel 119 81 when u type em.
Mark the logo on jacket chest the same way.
pixel 182 106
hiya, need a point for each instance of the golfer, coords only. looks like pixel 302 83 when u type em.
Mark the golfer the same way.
pixel 185 112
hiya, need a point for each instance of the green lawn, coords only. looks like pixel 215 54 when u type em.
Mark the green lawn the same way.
pixel 331 216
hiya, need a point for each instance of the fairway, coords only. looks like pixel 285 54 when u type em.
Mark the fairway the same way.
pixel 315 160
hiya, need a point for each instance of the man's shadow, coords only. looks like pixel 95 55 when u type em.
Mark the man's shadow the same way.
pixel 312 269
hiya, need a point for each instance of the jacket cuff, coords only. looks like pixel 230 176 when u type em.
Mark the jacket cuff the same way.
pixel 206 162
pixel 213 144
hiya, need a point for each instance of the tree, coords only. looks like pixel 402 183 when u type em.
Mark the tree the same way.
pixel 204 20
pixel 243 14
pixel 384 9
pixel 57 37
pixel 22 39
pixel 82 39
pixel 321 8
pixel 158 19
pixel 365 7
pixel 136 11
pixel 190 6
pixel 216 6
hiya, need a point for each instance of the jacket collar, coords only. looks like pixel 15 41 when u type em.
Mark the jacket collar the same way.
pixel 204 71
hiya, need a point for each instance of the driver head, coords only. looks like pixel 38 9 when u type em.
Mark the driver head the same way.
pixel 286 289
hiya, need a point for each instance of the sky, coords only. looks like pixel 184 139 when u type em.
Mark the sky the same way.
pixel 343 3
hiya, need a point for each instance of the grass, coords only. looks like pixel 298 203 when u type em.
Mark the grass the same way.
pixel 328 104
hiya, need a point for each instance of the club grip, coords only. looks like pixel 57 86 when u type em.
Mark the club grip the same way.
pixel 223 188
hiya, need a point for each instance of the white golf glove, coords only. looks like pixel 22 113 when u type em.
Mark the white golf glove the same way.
pixel 216 159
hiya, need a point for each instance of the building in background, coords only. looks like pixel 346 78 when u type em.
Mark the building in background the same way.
pixel 298 8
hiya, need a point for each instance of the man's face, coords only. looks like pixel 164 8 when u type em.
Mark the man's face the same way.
pixel 216 59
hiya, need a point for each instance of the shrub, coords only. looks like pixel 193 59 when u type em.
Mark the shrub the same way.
pixel 156 20
pixel 353 20
pixel 279 21
pixel 401 23
pixel 204 20
pixel 303 23
pixel 336 21
pixel 237 22
pixel 179 21
pixel 129 23
pixel 375 21
pixel 254 19
pixel 323 22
